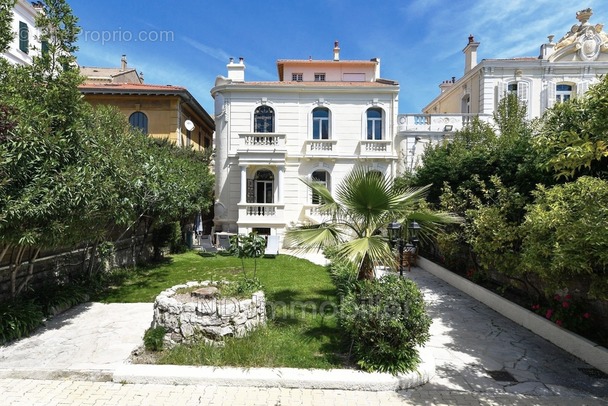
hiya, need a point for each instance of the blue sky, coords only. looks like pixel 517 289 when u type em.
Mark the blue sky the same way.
pixel 419 42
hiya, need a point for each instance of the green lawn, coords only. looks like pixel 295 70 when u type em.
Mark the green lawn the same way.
pixel 301 304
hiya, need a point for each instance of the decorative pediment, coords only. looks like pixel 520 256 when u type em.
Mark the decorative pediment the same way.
pixel 584 42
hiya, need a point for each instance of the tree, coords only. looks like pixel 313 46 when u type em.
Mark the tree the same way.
pixel 566 236
pixel 573 139
pixel 357 217
pixel 6 18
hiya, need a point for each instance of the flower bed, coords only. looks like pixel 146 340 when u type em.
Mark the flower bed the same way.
pixel 188 317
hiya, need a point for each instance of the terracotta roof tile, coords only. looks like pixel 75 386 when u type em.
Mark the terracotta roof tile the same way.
pixel 131 87
pixel 318 84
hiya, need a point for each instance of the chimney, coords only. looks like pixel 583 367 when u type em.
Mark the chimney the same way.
pixel 123 63
pixel 236 71
pixel 470 54
pixel 377 69
pixel 336 51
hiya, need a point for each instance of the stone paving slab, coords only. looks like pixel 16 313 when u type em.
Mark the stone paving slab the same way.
pixel 470 341
pixel 88 336
pixel 26 392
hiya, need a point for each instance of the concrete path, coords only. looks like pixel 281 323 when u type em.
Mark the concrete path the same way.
pixel 71 360
pixel 91 337
pixel 471 343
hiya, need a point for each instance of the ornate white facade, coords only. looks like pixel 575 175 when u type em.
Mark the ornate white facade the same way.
pixel 563 70
pixel 25 33
pixel 319 120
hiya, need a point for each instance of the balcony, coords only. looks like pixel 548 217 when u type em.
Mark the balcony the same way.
pixel 321 148
pixel 375 148
pixel 261 213
pixel 437 122
pixel 261 147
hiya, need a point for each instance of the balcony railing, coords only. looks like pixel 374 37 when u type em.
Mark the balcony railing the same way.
pixel 261 141
pixel 321 147
pixel 375 147
pixel 261 213
pixel 438 122
pixel 314 214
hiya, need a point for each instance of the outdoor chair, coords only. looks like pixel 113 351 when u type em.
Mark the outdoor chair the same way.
pixel 272 246
pixel 224 241
pixel 206 245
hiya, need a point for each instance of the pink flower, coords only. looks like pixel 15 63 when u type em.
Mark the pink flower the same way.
pixel 536 307
pixel 558 322
pixel 565 305
pixel 557 297
pixel 568 297
pixel 549 314
pixel 586 315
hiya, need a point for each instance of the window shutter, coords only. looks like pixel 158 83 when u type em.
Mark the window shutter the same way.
pixel 523 89
pixel 24 37
pixel 550 94
pixel 582 88
pixel 502 89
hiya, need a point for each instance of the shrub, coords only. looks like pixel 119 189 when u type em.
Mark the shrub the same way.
pixel 242 287
pixel 344 277
pixel 153 338
pixel 566 312
pixel 55 297
pixel 386 321
pixel 18 318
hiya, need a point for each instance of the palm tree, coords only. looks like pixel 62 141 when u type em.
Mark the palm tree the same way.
pixel 364 205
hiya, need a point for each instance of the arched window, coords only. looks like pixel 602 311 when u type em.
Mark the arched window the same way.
pixel 374 124
pixel 320 177
pixel 563 92
pixel 140 121
pixel 263 120
pixel 466 104
pixel 320 123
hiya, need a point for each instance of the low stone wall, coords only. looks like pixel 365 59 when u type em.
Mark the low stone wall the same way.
pixel 210 319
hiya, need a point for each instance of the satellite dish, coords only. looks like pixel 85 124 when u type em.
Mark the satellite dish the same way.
pixel 189 125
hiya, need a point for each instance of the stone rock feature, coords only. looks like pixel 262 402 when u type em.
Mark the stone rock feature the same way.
pixel 203 316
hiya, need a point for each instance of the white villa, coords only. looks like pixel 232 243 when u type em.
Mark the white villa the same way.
pixel 562 70
pixel 25 32
pixel 319 120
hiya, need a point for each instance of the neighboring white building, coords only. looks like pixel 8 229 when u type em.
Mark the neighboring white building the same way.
pixel 25 32
pixel 319 120
pixel 564 69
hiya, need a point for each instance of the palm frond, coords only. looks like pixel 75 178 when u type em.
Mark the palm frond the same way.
pixel 314 237
pixel 376 247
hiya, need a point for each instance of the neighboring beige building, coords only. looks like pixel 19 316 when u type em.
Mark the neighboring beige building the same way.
pixel 160 111
pixel 564 69
pixel 21 50
pixel 317 121
pixel 124 74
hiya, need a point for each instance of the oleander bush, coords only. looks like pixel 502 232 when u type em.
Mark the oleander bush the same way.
pixel 387 321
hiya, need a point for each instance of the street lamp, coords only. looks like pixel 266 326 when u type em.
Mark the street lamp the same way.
pixel 396 237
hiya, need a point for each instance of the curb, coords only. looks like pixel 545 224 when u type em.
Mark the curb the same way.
pixel 344 379
pixel 588 351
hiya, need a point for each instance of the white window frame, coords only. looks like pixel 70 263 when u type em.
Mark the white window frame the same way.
pixel 318 121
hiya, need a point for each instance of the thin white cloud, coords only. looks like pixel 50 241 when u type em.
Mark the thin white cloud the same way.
pixel 223 56
pixel 215 53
